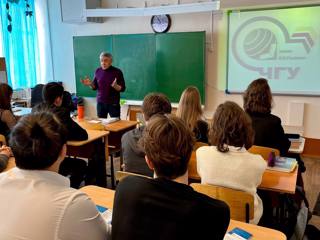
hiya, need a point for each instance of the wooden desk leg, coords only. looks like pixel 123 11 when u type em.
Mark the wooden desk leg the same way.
pixel 112 171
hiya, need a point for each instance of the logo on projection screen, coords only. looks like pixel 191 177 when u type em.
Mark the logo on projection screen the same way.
pixel 264 45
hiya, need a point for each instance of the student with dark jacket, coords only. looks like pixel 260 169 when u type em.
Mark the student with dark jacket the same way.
pixel 166 207
pixel 133 155
pixel 257 102
pixel 52 96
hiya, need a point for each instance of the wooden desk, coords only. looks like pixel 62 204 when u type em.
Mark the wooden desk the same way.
pixel 97 142
pixel 297 145
pixel 117 129
pixel 104 197
pixel 92 136
pixel 100 196
pixel 279 181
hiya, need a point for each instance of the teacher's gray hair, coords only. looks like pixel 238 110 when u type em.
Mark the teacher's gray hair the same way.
pixel 105 54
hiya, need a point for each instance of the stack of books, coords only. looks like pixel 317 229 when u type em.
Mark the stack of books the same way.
pixel 284 164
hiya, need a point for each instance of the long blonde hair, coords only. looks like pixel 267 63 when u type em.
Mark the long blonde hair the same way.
pixel 189 109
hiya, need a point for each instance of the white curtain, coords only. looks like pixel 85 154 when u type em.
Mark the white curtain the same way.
pixel 44 41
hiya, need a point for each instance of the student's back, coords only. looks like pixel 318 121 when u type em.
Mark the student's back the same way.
pixel 164 209
pixel 40 205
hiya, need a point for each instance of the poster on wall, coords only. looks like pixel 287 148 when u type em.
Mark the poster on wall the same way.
pixel 281 45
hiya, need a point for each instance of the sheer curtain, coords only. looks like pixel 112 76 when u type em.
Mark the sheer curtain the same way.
pixel 20 47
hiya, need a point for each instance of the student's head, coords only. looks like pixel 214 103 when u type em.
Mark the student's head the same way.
pixel 38 141
pixel 5 96
pixel 105 60
pixel 155 103
pixel 189 109
pixel 231 126
pixel 258 97
pixel 52 93
pixel 168 144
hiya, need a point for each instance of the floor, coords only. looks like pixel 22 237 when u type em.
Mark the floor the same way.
pixel 312 185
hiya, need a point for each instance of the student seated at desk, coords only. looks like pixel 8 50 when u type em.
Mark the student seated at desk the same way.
pixel 190 111
pixel 133 155
pixel 35 201
pixel 227 163
pixel 257 102
pixel 166 207
pixel 52 96
pixel 7 118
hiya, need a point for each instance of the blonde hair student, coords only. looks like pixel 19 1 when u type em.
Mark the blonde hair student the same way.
pixel 190 111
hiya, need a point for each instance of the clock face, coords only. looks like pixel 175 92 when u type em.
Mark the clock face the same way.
pixel 160 23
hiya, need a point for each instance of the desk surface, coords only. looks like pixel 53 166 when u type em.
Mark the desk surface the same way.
pixel 297 145
pixel 112 127
pixel 279 181
pixel 120 125
pixel 104 197
pixel 92 136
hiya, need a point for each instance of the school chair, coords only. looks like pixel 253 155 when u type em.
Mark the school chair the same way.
pixel 122 174
pixel 192 166
pixel 263 151
pixel 240 203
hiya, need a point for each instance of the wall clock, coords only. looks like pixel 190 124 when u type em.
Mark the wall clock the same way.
pixel 160 23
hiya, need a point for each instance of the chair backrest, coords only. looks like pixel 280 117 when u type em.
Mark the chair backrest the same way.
pixel 240 203
pixel 192 167
pixel 122 174
pixel 3 140
pixel 263 151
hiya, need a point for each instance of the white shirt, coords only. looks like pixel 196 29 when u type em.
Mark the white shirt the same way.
pixel 40 205
pixel 237 169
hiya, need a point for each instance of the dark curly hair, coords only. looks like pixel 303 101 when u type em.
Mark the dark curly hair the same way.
pixel 231 126
pixel 258 97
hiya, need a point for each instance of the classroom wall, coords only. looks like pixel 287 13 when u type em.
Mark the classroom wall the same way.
pixel 216 27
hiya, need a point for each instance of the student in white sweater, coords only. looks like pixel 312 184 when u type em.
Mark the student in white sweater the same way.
pixel 227 163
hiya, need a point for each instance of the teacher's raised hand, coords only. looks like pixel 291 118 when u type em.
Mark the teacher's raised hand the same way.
pixel 86 81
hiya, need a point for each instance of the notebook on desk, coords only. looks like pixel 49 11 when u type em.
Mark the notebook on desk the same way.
pixel 105 213
pixel 284 164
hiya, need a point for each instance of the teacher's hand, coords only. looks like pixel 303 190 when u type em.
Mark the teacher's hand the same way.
pixel 86 81
pixel 115 85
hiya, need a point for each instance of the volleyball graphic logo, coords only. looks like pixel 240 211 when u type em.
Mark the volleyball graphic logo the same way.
pixel 260 44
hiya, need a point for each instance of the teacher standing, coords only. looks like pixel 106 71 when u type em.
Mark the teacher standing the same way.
pixel 109 82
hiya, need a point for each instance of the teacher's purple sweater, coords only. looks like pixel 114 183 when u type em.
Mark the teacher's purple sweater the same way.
pixel 102 82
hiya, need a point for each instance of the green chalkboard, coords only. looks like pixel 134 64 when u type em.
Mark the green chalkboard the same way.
pixel 165 63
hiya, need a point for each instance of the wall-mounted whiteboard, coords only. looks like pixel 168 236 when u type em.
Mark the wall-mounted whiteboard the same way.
pixel 281 45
